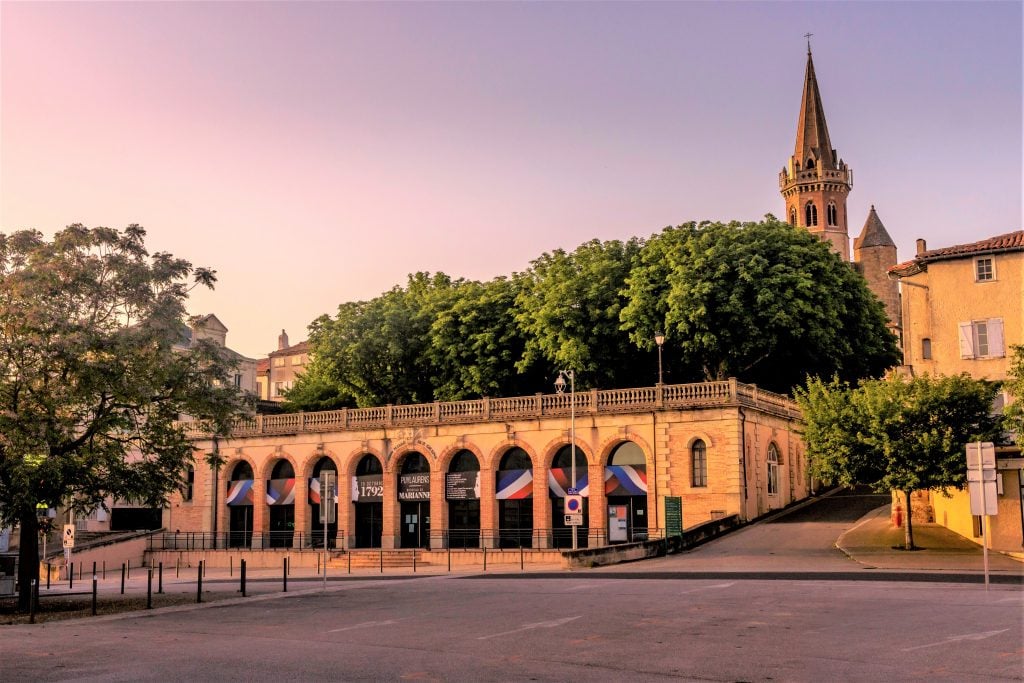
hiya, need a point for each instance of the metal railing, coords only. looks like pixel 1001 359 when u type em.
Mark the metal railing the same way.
pixel 671 396
pixel 244 540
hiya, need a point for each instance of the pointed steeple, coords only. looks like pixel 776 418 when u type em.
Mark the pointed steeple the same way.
pixel 874 233
pixel 815 182
pixel 812 141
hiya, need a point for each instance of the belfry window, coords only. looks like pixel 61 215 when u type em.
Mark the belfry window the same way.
pixel 831 213
pixel 792 216
pixel 810 214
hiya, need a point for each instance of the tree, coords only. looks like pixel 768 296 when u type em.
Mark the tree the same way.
pixel 896 434
pixel 568 312
pixel 765 302
pixel 91 385
pixel 1014 412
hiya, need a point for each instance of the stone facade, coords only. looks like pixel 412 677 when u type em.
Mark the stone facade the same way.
pixel 755 460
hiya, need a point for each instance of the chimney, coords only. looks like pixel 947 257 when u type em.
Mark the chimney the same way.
pixel 282 339
pixel 922 246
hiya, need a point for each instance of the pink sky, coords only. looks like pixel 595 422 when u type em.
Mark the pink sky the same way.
pixel 314 153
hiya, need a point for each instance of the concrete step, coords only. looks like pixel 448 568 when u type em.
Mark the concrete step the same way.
pixel 368 559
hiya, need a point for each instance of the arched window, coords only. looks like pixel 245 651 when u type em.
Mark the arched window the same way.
pixel 283 470
pixel 415 463
pixel 368 465
pixel 810 164
pixel 773 470
pixel 627 453
pixel 831 214
pixel 516 458
pixel 464 461
pixel 190 481
pixel 563 459
pixel 810 214
pixel 792 216
pixel 242 470
pixel 699 463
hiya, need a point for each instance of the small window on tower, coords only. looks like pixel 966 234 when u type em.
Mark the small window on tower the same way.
pixel 792 216
pixel 831 212
pixel 926 348
pixel 811 214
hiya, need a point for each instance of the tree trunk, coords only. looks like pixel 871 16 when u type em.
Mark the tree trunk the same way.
pixel 909 539
pixel 28 558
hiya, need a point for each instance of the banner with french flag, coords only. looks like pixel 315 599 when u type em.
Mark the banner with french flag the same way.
pixel 240 492
pixel 515 484
pixel 625 480
pixel 314 491
pixel 558 482
pixel 280 491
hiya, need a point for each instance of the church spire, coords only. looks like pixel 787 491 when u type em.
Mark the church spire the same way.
pixel 812 141
pixel 815 182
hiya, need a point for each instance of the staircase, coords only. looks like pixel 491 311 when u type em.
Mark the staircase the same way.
pixel 373 558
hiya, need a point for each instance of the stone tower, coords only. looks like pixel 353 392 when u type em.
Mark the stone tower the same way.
pixel 816 181
pixel 874 252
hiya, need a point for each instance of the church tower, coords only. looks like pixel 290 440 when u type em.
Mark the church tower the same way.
pixel 816 181
pixel 874 253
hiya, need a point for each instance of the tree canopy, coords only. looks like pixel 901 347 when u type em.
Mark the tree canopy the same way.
pixel 896 434
pixel 91 384
pixel 765 302
pixel 1014 412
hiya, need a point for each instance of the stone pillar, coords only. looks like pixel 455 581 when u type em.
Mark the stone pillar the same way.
pixel 598 504
pixel 303 522
pixel 488 508
pixel 541 507
pixel 438 511
pixel 391 518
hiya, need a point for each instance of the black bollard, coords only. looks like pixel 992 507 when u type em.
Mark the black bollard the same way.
pixel 521 558
pixel 449 555
pixel 122 578
pixel 94 594
pixel 94 570
pixel 47 576
pixel 381 561
pixel 413 561
pixel 160 578
pixel 104 570
pixel 199 583
pixel 242 572
pixel 284 574
pixel 149 588
pixel 33 599
pixel 485 558
pixel 71 577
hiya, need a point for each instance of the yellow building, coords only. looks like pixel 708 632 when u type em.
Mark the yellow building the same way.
pixel 962 312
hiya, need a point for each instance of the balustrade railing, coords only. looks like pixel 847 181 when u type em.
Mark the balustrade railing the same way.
pixel 696 395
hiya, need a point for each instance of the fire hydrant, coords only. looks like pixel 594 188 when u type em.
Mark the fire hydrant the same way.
pixel 897 516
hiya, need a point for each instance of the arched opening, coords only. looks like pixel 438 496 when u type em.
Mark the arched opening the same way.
pixel 792 216
pixel 368 500
pixel 514 491
pixel 698 464
pixel 414 501
pixel 281 500
pixel 559 485
pixel 831 214
pixel 239 500
pixel 773 470
pixel 810 164
pixel 810 214
pixel 625 485
pixel 318 498
pixel 462 490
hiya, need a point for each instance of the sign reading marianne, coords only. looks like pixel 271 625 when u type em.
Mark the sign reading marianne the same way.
pixel 414 486
pixel 462 485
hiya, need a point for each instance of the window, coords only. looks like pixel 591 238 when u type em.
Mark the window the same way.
pixel 926 348
pixel 810 214
pixel 831 213
pixel 297 360
pixel 190 481
pixel 279 362
pixel 699 462
pixel 982 339
pixel 984 270
pixel 280 388
pixel 238 381
pixel 792 216
pixel 773 470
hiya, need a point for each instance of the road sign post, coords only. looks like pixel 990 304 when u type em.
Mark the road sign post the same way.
pixel 328 511
pixel 981 484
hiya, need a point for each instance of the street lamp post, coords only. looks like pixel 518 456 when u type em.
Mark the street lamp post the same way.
pixel 659 339
pixel 560 388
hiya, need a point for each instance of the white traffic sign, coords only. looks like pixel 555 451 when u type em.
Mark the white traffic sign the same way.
pixel 573 505
pixel 983 502
pixel 328 510
pixel 985 451
pixel 69 535
pixel 981 478
pixel 574 520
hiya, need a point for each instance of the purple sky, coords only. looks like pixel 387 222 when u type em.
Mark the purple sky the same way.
pixel 314 153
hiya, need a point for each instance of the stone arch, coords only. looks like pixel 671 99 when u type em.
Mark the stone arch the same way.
pixel 611 443
pixel 229 466
pixel 493 459
pixel 445 458
pixel 271 461
pixel 308 463
pixel 353 458
pixel 552 447
pixel 398 456
pixel 703 436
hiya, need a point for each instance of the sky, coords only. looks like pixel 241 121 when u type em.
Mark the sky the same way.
pixel 317 153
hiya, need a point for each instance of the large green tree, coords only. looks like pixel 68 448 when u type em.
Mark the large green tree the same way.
pixel 568 311
pixel 91 385
pixel 765 302
pixel 896 434
pixel 1014 412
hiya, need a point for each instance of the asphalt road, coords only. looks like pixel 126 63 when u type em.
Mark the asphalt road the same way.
pixel 583 625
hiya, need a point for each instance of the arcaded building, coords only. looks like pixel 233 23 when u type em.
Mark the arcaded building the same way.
pixel 495 472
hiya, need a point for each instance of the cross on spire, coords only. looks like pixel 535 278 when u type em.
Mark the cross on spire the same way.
pixel 808 37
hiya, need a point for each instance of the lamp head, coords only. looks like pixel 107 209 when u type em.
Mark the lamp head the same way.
pixel 659 338
pixel 560 383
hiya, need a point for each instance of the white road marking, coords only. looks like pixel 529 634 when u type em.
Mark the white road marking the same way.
pixel 365 624
pixel 555 623
pixel 704 588
pixel 583 586
pixel 953 639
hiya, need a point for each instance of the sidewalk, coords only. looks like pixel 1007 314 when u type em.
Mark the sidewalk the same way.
pixel 875 543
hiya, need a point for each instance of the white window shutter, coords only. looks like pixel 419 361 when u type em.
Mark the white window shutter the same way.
pixel 995 338
pixel 966 340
